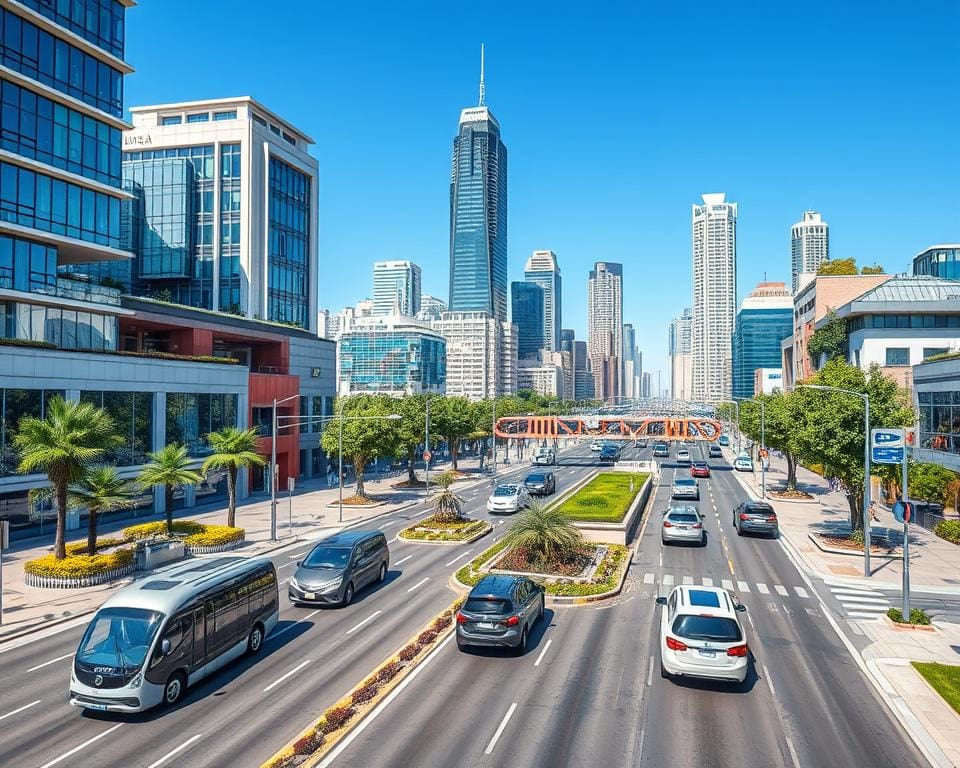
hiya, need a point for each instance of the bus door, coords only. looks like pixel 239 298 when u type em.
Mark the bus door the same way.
pixel 199 639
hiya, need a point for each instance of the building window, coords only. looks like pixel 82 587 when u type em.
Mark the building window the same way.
pixel 171 120
pixel 16 404
pixel 198 117
pixel 99 21
pixel 132 414
pixel 288 245
pixel 898 356
pixel 929 352
pixel 231 115
pixel 193 416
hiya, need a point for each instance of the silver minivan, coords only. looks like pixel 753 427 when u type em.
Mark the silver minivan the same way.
pixel 338 566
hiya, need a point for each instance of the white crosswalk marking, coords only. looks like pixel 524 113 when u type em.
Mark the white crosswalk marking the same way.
pixel 707 582
pixel 861 603
pixel 781 590
pixel 688 579
pixel 801 592
pixel 668 579
pixel 648 578
pixel 762 588
pixel 727 584
pixel 743 586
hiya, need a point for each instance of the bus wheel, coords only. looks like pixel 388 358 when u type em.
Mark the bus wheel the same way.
pixel 255 640
pixel 173 690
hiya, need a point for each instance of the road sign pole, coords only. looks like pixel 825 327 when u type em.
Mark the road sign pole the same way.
pixel 906 543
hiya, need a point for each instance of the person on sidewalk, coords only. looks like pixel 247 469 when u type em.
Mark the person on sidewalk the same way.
pixel 873 512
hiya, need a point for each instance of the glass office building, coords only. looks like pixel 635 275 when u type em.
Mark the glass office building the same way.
pixel 478 216
pixel 938 261
pixel 526 309
pixel 765 319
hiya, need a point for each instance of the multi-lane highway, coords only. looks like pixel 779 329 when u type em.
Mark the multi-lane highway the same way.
pixel 589 691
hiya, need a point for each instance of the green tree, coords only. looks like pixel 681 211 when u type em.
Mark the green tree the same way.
pixel 875 269
pixel 782 413
pixel 930 482
pixel 101 489
pixel 447 506
pixel 364 438
pixel 831 432
pixel 411 430
pixel 838 267
pixel 169 467
pixel 233 449
pixel 546 533
pixel 829 340
pixel 64 444
pixel 455 420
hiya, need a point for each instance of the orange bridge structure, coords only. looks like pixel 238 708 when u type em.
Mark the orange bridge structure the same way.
pixel 608 427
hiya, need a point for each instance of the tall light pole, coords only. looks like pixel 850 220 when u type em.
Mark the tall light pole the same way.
pixel 866 465
pixel 273 466
pixel 426 443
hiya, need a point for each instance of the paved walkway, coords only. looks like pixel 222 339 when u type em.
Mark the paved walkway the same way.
pixel 934 566
pixel 29 608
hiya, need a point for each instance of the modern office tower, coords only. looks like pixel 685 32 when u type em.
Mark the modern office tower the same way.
pixel 527 311
pixel 542 269
pixel 632 362
pixel 478 214
pixel 680 350
pixel 645 386
pixel 224 210
pixel 938 261
pixel 396 288
pixel 543 375
pixel 714 297
pixel 393 355
pixel 605 326
pixel 765 319
pixel 431 308
pixel 481 354
pixel 809 246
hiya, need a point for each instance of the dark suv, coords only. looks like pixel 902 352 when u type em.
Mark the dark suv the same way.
pixel 499 612
pixel 338 566
pixel 756 517
pixel 609 453
pixel 541 483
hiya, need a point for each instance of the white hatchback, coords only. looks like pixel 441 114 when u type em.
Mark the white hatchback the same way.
pixel 683 456
pixel 508 498
pixel 701 635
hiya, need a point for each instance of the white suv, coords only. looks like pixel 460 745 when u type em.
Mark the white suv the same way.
pixel 683 456
pixel 701 635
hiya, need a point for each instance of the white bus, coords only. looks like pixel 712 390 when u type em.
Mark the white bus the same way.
pixel 155 638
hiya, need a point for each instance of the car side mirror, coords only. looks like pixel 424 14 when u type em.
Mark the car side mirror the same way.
pixel 299 563
pixel 661 601
pixel 741 608
pixel 165 647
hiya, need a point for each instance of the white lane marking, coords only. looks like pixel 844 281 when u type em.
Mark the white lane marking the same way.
pixel 20 709
pixel 801 592
pixel 650 673
pixel 542 653
pixel 43 634
pixel 403 560
pixel 52 661
pixel 419 584
pixel 762 588
pixel 460 557
pixel 688 579
pixel 869 602
pixel 786 732
pixel 781 590
pixel 648 578
pixel 855 592
pixel 284 582
pixel 173 752
pixel 668 580
pixel 371 617
pixel 727 584
pixel 299 554
pixel 285 565
pixel 291 626
pixel 280 679
pixel 707 582
pixel 387 525
pixel 743 586
pixel 395 539
pixel 77 748
pixel 499 731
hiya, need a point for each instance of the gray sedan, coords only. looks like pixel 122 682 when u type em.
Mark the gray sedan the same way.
pixel 682 524
pixel 685 488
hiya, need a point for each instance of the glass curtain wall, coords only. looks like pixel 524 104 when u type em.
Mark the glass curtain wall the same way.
pixel 289 245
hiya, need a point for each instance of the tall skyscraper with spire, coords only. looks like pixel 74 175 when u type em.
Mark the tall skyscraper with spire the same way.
pixel 478 213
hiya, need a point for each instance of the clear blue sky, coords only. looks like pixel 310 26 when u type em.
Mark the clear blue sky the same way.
pixel 616 116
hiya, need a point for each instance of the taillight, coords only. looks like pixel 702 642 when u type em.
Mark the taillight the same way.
pixel 667 524
pixel 738 650
pixel 744 516
pixel 697 525
pixel 512 621
pixel 771 519
pixel 461 619
pixel 675 645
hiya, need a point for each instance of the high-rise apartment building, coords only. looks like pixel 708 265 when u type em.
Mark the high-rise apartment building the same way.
pixel 481 354
pixel 809 246
pixel 714 227
pixel 579 364
pixel 396 288
pixel 542 269
pixel 605 327
pixel 224 210
pixel 645 386
pixel 680 350
pixel 765 319
pixel 478 214
pixel 431 307
pixel 526 311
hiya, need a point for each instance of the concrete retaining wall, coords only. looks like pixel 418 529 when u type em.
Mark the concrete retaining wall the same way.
pixel 618 533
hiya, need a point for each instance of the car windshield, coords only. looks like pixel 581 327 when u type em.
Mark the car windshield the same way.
pixel 535 478
pixel 487 605
pixel 683 517
pixel 719 629
pixel 119 637
pixel 684 482
pixel 506 490
pixel 327 557
pixel 759 510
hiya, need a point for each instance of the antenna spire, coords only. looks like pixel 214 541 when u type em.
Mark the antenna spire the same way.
pixel 483 88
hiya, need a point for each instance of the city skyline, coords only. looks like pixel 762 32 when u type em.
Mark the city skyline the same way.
pixel 644 227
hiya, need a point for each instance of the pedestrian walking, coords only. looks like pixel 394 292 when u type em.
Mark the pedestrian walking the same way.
pixel 873 512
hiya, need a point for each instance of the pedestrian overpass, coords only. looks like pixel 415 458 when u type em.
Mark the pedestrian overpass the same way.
pixel 609 427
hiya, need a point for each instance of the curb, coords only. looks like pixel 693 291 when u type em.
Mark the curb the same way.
pixel 851 553
pixel 476 537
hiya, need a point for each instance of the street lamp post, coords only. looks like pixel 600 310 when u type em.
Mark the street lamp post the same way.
pixel 426 444
pixel 273 466
pixel 866 465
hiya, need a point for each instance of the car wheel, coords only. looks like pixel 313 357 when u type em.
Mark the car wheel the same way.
pixel 255 640
pixel 663 672
pixel 543 602
pixel 739 532
pixel 383 573
pixel 522 647
pixel 347 595
pixel 460 646
pixel 173 689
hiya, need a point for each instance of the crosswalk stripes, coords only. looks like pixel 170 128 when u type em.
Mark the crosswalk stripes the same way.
pixel 727 584
pixel 648 578
pixel 861 603
pixel 801 591
pixel 762 588
pixel 669 580
pixel 781 590
pixel 743 586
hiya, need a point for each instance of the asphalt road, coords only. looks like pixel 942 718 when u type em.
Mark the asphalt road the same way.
pixel 310 661
pixel 589 692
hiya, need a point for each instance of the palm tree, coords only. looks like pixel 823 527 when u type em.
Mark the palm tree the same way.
pixel 545 533
pixel 63 445
pixel 169 467
pixel 233 450
pixel 447 506
pixel 100 490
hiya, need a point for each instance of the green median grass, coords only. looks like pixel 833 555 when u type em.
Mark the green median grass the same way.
pixel 605 499
pixel 945 679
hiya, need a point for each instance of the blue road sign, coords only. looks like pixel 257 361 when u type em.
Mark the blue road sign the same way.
pixel 886 455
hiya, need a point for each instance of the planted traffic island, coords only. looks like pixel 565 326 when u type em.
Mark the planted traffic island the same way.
pixel 446 525
pixel 606 508
pixel 918 620
pixel 853 544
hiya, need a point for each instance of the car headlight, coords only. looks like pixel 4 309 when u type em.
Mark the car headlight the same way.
pixel 137 681
pixel 294 582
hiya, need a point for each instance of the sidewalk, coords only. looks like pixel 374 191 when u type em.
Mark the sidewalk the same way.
pixel 26 609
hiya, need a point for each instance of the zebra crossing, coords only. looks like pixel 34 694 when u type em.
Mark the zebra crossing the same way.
pixel 670 580
pixel 861 603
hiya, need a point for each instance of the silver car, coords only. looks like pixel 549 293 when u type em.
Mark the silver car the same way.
pixel 682 524
pixel 685 488
pixel 683 456
pixel 338 566
pixel 508 498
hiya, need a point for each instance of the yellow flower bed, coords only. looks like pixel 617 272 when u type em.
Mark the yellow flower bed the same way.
pixel 80 547
pixel 159 528
pixel 213 535
pixel 79 566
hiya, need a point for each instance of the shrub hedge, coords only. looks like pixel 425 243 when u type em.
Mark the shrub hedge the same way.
pixel 917 616
pixel 79 566
pixel 213 535
pixel 159 528
pixel 422 531
pixel 606 498
pixel 949 530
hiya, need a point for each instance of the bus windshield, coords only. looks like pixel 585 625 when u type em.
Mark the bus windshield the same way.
pixel 119 638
